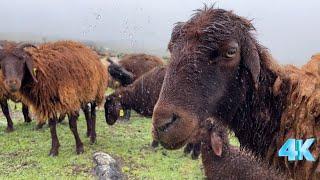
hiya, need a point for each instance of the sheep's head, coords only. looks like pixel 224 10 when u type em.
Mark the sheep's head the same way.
pixel 120 74
pixel 213 55
pixel 112 108
pixel 16 65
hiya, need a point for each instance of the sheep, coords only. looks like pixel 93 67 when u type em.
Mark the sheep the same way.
pixel 5 96
pixel 130 68
pixel 223 161
pixel 56 78
pixel 218 69
pixel 141 96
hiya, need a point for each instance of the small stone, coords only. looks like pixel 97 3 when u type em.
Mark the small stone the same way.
pixel 106 167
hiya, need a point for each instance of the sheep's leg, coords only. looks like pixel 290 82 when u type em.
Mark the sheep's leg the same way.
pixel 196 150
pixel 54 138
pixel 127 114
pixel 25 112
pixel 93 134
pixel 188 148
pixel 61 117
pixel 86 112
pixel 73 126
pixel 155 144
pixel 5 110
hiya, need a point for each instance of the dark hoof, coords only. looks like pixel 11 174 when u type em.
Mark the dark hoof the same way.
pixel 9 129
pixel 93 140
pixel 28 120
pixel 53 152
pixel 154 144
pixel 80 149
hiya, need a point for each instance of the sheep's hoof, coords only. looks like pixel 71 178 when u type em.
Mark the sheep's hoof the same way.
pixel 9 129
pixel 80 150
pixel 53 152
pixel 93 140
pixel 28 120
pixel 154 144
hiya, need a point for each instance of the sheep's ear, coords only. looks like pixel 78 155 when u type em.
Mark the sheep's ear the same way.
pixel 31 69
pixel 251 59
pixel 216 144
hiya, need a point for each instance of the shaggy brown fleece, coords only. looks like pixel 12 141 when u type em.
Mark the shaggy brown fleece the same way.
pixel 69 75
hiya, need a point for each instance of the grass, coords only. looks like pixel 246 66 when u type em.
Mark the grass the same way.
pixel 24 152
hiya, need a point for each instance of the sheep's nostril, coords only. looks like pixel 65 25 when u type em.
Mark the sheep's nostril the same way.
pixel 165 127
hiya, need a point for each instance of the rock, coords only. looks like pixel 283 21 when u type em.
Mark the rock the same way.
pixel 106 167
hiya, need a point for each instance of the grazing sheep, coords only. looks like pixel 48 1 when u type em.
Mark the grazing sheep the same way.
pixel 218 69
pixel 5 96
pixel 56 78
pixel 141 96
pixel 223 161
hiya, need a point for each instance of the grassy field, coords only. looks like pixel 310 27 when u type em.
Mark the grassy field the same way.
pixel 24 152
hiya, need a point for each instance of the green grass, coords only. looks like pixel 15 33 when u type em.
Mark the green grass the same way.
pixel 24 152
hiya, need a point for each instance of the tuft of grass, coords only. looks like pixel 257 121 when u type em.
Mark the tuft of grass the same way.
pixel 24 152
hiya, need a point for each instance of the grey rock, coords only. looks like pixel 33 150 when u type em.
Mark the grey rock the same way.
pixel 106 167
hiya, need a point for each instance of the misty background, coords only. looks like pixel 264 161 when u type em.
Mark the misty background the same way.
pixel 289 28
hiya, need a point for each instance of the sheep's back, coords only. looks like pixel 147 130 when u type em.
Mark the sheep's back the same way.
pixel 138 64
pixel 69 75
pixel 300 119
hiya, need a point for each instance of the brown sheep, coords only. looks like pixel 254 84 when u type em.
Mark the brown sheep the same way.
pixel 141 96
pixel 218 69
pixel 223 161
pixel 5 96
pixel 56 78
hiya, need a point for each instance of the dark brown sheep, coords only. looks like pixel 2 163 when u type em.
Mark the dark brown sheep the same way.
pixel 223 161
pixel 5 96
pixel 56 78
pixel 218 69
pixel 141 96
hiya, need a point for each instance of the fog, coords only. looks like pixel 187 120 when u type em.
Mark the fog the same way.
pixel 289 28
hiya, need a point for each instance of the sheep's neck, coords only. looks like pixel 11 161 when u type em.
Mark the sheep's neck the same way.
pixel 255 118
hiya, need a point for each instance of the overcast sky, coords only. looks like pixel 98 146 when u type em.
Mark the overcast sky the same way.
pixel 289 28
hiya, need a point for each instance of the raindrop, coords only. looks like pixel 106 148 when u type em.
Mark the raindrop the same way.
pixel 98 17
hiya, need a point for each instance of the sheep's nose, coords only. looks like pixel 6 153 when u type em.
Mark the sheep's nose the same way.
pixel 167 123
pixel 11 82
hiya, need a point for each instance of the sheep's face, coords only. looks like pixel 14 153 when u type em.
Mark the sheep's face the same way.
pixel 112 108
pixel 209 55
pixel 16 65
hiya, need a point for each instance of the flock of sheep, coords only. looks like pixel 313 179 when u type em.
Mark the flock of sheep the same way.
pixel 218 78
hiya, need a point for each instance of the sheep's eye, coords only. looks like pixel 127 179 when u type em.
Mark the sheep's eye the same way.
pixel 231 52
